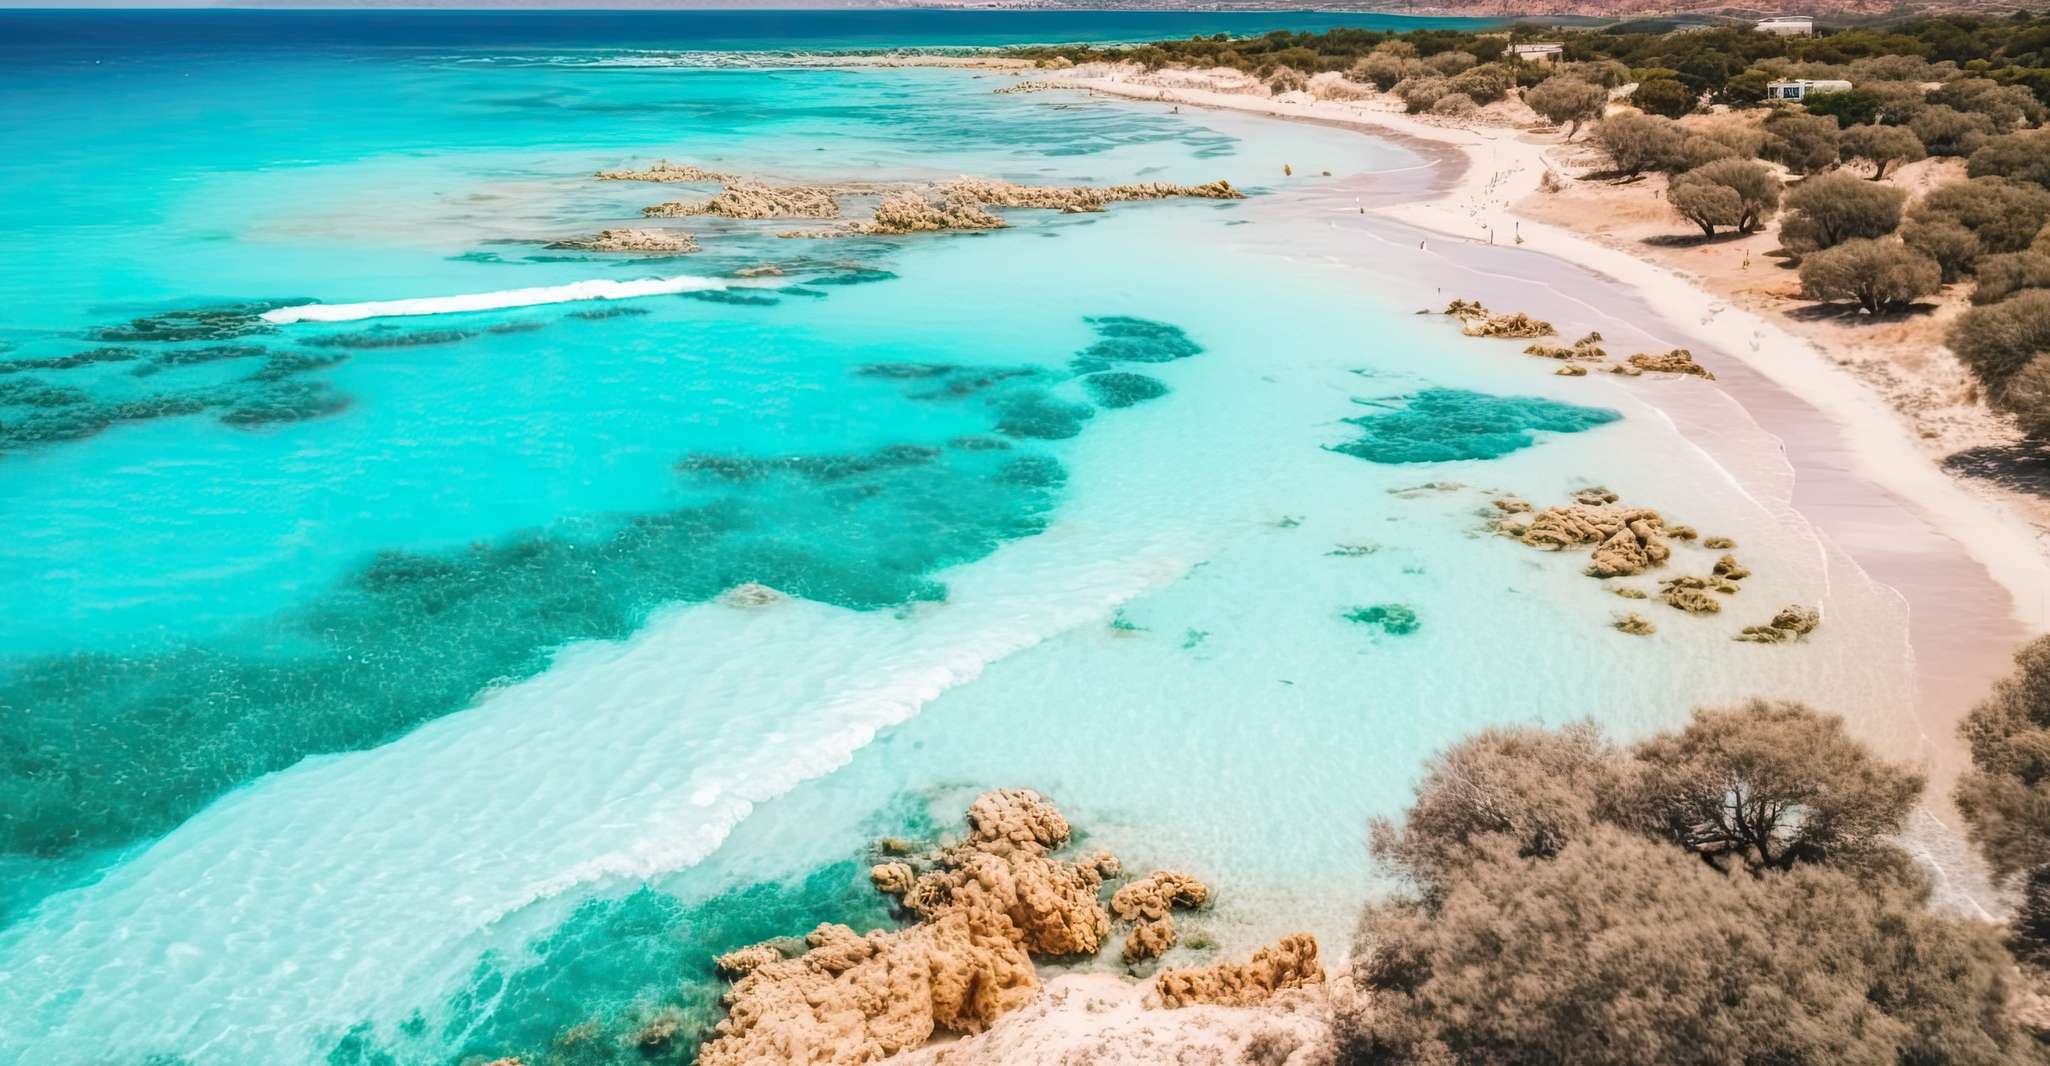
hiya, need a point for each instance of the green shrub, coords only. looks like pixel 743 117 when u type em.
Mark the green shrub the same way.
pixel 1726 192
pixel 1952 246
pixel 1485 84
pixel 2022 156
pixel 1805 144
pixel 1852 107
pixel 2002 213
pixel 1567 101
pixel 1878 275
pixel 2001 276
pixel 1997 340
pixel 1948 131
pixel 1420 93
pixel 1664 96
pixel 1829 209
pixel 1637 143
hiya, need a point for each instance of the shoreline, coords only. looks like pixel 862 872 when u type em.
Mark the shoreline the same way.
pixel 1977 589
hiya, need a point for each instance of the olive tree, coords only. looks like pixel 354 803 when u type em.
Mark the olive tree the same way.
pixel 1565 916
pixel 1567 101
pixel 1727 192
pixel 1486 83
pixel 1828 209
pixel 1636 143
pixel 2005 796
pixel 1384 70
pixel 1879 275
pixel 1881 146
pixel 1418 94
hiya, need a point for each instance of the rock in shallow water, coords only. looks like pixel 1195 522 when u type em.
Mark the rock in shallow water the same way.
pixel 1115 389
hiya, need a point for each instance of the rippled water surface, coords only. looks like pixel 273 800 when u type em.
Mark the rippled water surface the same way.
pixel 369 690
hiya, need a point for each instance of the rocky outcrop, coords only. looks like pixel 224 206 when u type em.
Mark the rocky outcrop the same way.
pixel 1025 87
pixel 662 241
pixel 1729 569
pixel 1791 623
pixel 983 907
pixel 665 171
pixel 1634 624
pixel 1692 594
pixel 1588 348
pixel 750 594
pixel 901 213
pixel 1516 324
pixel 1626 540
pixel 854 998
pixel 1078 198
pixel 1677 361
pixel 746 200
pixel 1289 963
pixel 1148 903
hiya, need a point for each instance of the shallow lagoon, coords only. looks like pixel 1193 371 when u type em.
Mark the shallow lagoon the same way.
pixel 1141 609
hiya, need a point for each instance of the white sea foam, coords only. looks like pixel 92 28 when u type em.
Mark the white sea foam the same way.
pixel 574 292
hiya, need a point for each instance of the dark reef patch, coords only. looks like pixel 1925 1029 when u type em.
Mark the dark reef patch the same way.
pixel 735 297
pixel 1444 425
pixel 596 314
pixel 1124 339
pixel 1036 415
pixel 1115 389
pixel 30 392
pixel 1393 618
pixel 628 980
pixel 389 337
pixel 291 401
pixel 71 362
pixel 101 748
pixel 171 358
pixel 858 276
pixel 197 324
pixel 282 365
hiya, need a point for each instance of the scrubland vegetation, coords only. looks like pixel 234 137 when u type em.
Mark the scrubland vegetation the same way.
pixel 1691 105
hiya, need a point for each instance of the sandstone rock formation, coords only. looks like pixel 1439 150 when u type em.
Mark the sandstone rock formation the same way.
pixel 1588 348
pixel 666 241
pixel 983 906
pixel 747 200
pixel 1730 569
pixel 664 170
pixel 1719 543
pixel 854 998
pixel 1147 904
pixel 1792 623
pixel 1570 371
pixel 1626 540
pixel 1517 324
pixel 1288 963
pixel 1691 594
pixel 1075 198
pixel 1677 361
pixel 1025 87
pixel 905 212
pixel 750 594
pixel 1634 624
pixel 1466 310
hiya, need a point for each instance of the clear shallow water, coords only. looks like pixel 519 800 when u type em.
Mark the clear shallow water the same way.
pixel 443 579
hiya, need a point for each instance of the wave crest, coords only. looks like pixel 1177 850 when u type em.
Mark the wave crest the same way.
pixel 575 291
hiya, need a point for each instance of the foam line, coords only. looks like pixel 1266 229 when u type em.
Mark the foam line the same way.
pixel 599 289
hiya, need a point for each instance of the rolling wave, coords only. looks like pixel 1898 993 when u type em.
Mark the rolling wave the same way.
pixel 575 291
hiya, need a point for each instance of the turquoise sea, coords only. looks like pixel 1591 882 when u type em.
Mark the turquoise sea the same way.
pixel 368 690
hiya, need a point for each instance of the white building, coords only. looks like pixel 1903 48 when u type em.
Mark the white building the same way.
pixel 1538 53
pixel 1803 88
pixel 1788 26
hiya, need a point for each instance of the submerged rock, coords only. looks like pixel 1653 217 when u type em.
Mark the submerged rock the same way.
pixel 1634 624
pixel 1793 622
pixel 1627 540
pixel 665 171
pixel 70 362
pixel 197 324
pixel 1289 963
pixel 751 594
pixel 661 241
pixel 1074 198
pixel 1148 903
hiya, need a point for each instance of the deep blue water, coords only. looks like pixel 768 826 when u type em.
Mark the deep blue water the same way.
pixel 54 33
